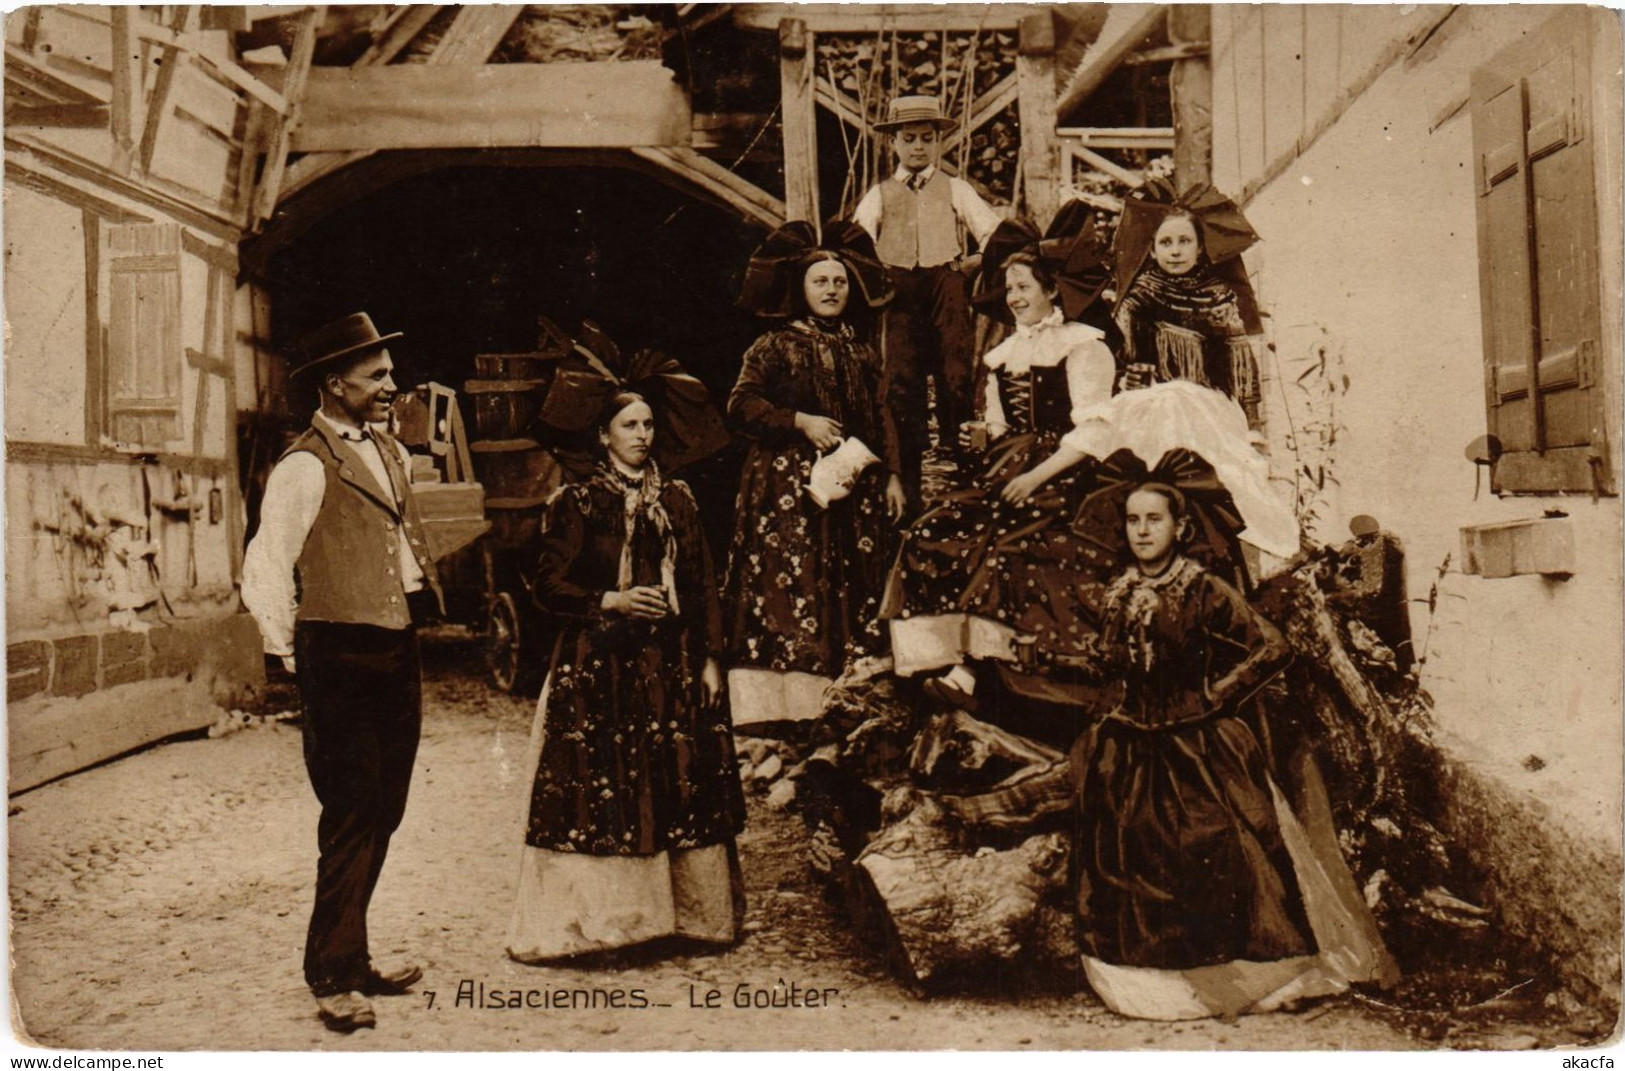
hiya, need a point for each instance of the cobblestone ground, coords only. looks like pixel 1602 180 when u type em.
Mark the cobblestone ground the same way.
pixel 159 902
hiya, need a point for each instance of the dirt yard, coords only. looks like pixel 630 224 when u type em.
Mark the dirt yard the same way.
pixel 159 903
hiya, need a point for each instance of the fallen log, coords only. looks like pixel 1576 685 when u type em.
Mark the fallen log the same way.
pixel 954 910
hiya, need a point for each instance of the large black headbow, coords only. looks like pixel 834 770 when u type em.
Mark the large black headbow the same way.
pixel 688 425
pixel 1225 232
pixel 772 279
pixel 1225 235
pixel 1215 522
pixel 1072 249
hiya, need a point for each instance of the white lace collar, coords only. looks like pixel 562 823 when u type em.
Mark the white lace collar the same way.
pixel 1041 345
pixel 1054 319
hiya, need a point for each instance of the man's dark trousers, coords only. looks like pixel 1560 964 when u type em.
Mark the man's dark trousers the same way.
pixel 929 331
pixel 361 690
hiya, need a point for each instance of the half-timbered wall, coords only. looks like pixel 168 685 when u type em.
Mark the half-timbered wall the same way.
pixel 123 510
pixel 1367 189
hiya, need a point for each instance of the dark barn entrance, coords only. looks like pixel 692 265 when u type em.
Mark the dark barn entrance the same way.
pixel 463 251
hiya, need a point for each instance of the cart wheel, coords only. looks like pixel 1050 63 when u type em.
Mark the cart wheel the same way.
pixel 502 642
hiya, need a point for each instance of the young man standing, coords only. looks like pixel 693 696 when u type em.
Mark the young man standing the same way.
pixel 339 515
pixel 920 219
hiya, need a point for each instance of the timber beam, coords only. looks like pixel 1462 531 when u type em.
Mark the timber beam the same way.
pixel 1040 152
pixel 495 105
pixel 799 116
pixel 1098 66
pixel 902 18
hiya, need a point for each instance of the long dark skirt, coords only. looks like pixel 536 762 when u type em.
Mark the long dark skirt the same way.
pixel 1181 861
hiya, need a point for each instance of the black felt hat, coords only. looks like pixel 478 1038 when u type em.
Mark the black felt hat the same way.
pixel 350 337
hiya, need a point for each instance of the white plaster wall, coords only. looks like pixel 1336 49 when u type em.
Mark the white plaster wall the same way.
pixel 44 342
pixel 52 587
pixel 1370 248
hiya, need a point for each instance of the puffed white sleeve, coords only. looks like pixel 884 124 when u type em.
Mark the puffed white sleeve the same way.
pixel 1090 370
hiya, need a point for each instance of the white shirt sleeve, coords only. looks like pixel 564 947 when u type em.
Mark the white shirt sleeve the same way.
pixel 867 214
pixel 293 497
pixel 993 409
pixel 1090 369
pixel 979 217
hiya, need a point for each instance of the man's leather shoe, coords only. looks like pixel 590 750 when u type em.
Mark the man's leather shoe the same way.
pixel 391 983
pixel 346 1012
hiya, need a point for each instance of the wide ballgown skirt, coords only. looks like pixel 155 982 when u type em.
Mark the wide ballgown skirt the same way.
pixel 1181 415
pixel 975 573
pixel 1202 893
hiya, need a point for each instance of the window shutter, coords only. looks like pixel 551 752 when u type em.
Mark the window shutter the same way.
pixel 144 335
pixel 1537 228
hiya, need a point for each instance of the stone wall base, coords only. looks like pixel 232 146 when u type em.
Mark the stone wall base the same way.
pixel 1549 884
pixel 73 701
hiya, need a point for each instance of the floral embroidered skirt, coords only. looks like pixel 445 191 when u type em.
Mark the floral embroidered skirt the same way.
pixel 631 761
pixel 570 902
pixel 803 582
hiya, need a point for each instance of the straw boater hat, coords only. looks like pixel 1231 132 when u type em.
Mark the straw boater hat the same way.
pixel 905 110
pixel 327 348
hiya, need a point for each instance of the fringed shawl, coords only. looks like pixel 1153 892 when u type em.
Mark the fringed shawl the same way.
pixel 1189 327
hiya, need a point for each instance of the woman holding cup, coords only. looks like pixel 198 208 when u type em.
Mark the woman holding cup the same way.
pixel 812 537
pixel 635 799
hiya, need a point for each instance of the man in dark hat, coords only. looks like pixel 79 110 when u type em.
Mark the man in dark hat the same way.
pixel 920 218
pixel 339 515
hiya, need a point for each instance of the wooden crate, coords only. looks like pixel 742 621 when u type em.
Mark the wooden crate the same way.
pixel 453 515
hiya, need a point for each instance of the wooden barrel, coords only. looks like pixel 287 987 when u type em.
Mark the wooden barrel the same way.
pixel 515 365
pixel 513 525
pixel 505 408
pixel 515 469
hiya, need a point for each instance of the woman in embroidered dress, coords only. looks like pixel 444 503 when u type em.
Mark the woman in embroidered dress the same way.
pixel 1186 310
pixel 998 560
pixel 636 797
pixel 1199 892
pixel 804 580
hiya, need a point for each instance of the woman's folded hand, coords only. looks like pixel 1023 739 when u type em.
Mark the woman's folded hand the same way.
pixel 1020 489
pixel 645 602
pixel 821 431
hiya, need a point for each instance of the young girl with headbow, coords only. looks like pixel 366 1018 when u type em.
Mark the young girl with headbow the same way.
pixel 1200 893
pixel 1185 307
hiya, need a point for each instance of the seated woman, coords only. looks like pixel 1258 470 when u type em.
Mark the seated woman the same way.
pixel 1186 310
pixel 805 571
pixel 636 797
pixel 998 560
pixel 1199 892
